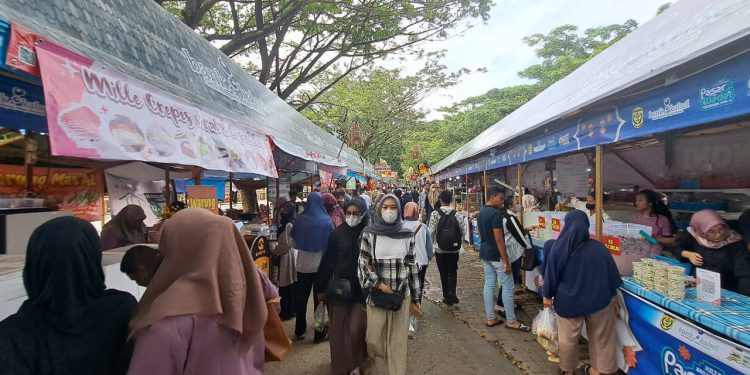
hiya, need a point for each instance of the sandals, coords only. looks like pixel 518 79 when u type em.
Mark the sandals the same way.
pixel 497 322
pixel 521 327
pixel 587 369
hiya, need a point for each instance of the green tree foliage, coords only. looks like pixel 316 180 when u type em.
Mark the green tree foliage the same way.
pixel 292 42
pixel 561 51
pixel 662 8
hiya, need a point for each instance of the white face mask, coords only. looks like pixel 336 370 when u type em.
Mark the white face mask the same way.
pixel 353 220
pixel 390 216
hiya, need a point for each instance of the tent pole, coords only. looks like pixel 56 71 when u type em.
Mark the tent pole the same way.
pixel 231 200
pixel 599 189
pixel 167 190
pixel 520 190
pixel 485 183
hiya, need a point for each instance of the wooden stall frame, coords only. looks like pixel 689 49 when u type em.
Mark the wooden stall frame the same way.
pixel 599 190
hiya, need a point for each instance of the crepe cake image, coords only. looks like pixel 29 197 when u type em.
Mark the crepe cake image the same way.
pixel 81 125
pixel 205 151
pixel 187 150
pixel 161 141
pixel 127 134
pixel 235 161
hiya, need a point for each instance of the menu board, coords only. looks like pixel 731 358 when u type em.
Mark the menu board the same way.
pixel 572 175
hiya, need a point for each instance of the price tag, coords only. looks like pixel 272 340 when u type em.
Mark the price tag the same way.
pixel 612 244
pixel 542 222
pixel 556 225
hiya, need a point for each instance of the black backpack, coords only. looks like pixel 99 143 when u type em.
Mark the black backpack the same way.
pixel 448 234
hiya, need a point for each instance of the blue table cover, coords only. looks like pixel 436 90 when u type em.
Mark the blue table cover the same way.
pixel 731 319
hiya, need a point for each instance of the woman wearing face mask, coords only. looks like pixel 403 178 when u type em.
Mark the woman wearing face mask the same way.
pixel 652 211
pixel 386 265
pixel 348 321
pixel 711 245
pixel 589 206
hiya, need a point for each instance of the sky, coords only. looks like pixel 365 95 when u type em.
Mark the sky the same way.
pixel 497 44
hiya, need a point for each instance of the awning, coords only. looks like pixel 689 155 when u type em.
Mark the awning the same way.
pixel 688 29
pixel 131 40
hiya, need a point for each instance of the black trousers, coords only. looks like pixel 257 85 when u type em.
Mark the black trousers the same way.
pixel 422 273
pixel 287 294
pixel 303 288
pixel 448 266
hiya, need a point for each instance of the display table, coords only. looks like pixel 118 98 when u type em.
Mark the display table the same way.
pixel 13 293
pixel 659 335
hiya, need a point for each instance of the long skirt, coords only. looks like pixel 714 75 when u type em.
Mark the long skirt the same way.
pixel 346 335
pixel 387 333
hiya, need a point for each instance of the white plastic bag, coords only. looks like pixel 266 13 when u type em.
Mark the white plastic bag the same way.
pixel 545 327
pixel 320 319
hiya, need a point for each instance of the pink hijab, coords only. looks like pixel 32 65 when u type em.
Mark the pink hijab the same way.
pixel 411 211
pixel 703 221
pixel 334 210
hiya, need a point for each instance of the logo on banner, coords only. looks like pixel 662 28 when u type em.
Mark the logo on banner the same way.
pixel 666 322
pixel 565 139
pixel 719 95
pixel 669 109
pixel 681 364
pixel 637 117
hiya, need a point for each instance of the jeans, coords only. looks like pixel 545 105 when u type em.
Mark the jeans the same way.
pixel 448 266
pixel 516 267
pixel 493 272
pixel 303 288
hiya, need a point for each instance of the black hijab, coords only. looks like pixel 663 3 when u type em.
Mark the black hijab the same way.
pixel 287 214
pixel 393 230
pixel 70 323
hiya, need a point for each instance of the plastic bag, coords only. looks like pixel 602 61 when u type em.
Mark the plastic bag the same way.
pixel 545 327
pixel 320 319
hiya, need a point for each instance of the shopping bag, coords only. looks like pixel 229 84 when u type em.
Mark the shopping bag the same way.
pixel 320 319
pixel 544 327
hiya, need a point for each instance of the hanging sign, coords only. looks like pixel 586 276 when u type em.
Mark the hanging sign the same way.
pixel 76 190
pixel 203 197
pixel 612 244
pixel 556 225
pixel 542 222
pixel 97 113
pixel 22 50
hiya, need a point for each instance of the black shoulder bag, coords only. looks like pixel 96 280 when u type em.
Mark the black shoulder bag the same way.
pixel 386 301
pixel 339 290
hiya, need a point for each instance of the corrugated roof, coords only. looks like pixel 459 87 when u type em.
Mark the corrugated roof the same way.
pixel 688 29
pixel 143 40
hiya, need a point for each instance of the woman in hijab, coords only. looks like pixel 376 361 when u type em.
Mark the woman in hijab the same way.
pixel 287 257
pixel 423 251
pixel 348 321
pixel 310 234
pixel 582 278
pixel 205 307
pixel 711 245
pixel 126 228
pixel 70 324
pixel 386 264
pixel 406 198
pixel 333 209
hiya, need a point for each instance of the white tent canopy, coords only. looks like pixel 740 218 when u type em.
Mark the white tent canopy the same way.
pixel 688 29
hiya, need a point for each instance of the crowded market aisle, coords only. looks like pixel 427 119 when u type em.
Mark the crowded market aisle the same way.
pixel 443 345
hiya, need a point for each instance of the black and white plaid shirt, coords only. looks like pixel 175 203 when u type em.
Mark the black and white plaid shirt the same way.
pixel 394 263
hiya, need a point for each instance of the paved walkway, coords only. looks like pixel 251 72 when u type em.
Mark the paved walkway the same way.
pixel 520 348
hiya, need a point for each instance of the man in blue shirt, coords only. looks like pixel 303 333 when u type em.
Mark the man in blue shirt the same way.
pixel 497 263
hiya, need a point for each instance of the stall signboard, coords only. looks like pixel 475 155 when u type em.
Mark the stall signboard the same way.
pixel 659 342
pixel 22 106
pixel 203 197
pixel 21 50
pixel 718 93
pixel 97 113
pixel 147 194
pixel 325 179
pixel 260 249
pixel 556 225
pixel 76 190
pixel 351 184
pixel 284 187
pixel 542 222
pixel 613 244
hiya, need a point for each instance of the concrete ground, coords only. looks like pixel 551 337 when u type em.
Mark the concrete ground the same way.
pixel 451 339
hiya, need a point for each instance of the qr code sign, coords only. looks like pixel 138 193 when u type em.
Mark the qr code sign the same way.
pixel 26 56
pixel 709 286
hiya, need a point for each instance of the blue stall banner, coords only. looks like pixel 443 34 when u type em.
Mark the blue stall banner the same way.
pixel 663 343
pixel 180 186
pixel 721 92
pixel 22 106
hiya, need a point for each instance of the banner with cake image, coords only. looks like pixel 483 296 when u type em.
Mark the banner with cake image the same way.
pixel 95 112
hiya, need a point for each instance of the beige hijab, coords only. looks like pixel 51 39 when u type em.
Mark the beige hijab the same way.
pixel 433 195
pixel 206 270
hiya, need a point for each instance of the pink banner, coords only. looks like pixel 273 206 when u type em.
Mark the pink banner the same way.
pixel 97 113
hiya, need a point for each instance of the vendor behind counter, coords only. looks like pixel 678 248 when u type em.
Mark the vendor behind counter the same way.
pixel 709 243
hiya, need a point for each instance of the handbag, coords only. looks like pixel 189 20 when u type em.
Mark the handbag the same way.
pixel 338 291
pixel 278 343
pixel 530 260
pixel 386 301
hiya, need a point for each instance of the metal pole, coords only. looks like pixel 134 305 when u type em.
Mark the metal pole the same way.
pixel 520 189
pixel 484 182
pixel 231 199
pixel 599 189
pixel 167 187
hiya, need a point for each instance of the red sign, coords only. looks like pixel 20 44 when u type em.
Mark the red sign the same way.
pixel 556 225
pixel 22 50
pixel 70 189
pixel 612 244
pixel 542 222
pixel 203 197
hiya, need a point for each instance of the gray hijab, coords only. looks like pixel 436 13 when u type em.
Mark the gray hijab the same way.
pixel 393 230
